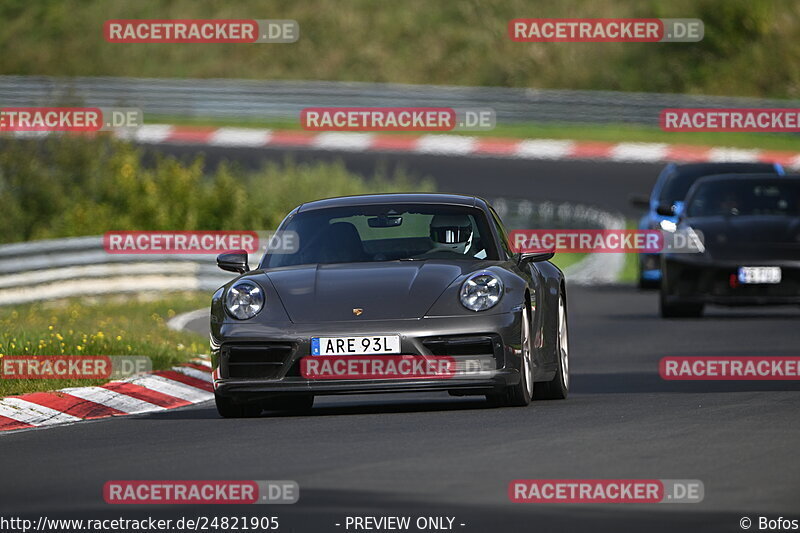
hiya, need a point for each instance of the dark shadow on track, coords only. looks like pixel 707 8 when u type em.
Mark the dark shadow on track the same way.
pixel 357 407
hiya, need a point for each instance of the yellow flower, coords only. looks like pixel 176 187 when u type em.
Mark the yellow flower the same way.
pixel 127 170
pixel 100 335
pixel 79 348
pixel 119 337
pixel 50 328
pixel 59 337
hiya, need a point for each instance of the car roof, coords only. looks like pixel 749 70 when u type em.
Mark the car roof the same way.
pixel 395 198
pixel 745 177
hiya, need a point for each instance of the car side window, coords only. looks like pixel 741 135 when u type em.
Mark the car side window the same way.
pixel 505 245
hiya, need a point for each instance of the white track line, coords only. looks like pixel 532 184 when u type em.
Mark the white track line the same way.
pixel 240 137
pixel 732 154
pixel 356 142
pixel 113 399
pixel 149 133
pixel 543 149
pixel 193 373
pixel 446 144
pixel 33 414
pixel 179 322
pixel 172 388
pixel 650 152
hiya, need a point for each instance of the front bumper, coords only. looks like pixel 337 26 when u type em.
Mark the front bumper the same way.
pixel 715 282
pixel 257 361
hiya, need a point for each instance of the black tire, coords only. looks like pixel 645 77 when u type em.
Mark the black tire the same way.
pixel 296 403
pixel 647 284
pixel 519 395
pixel 558 387
pixel 227 408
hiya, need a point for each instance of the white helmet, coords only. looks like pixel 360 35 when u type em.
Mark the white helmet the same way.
pixel 451 233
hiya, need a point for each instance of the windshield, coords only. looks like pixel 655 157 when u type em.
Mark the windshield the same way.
pixel 736 198
pixel 359 234
pixel 677 186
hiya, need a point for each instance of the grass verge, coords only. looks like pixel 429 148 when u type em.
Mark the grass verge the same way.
pixel 113 325
pixel 564 260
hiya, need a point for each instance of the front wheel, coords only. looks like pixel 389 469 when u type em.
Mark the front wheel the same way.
pixel 558 387
pixel 519 395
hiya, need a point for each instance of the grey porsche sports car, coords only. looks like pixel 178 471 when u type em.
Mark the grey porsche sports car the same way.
pixel 380 287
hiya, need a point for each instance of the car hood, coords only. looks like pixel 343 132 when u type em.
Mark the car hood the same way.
pixel 750 237
pixel 390 290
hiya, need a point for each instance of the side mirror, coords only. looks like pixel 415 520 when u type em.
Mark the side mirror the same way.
pixel 536 257
pixel 639 200
pixel 235 261
pixel 665 210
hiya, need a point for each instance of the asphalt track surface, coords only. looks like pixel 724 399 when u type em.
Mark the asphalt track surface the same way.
pixel 603 184
pixel 433 455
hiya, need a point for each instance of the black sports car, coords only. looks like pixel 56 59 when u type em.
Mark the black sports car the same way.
pixel 665 203
pixel 751 253
pixel 390 280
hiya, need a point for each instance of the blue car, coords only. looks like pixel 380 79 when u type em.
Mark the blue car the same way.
pixel 666 203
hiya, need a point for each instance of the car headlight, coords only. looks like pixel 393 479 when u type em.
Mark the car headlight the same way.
pixel 481 291
pixel 244 300
pixel 668 225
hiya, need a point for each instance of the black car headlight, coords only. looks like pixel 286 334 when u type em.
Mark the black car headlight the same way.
pixel 481 291
pixel 244 300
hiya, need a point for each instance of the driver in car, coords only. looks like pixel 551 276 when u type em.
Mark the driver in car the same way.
pixel 452 234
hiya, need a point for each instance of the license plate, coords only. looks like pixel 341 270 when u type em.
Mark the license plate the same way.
pixel 759 274
pixel 376 344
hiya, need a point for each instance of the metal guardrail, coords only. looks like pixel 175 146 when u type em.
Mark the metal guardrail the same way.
pixel 252 99
pixel 61 268
pixel 79 266
pixel 595 269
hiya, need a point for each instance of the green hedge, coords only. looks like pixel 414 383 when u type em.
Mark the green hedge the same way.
pixel 70 186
